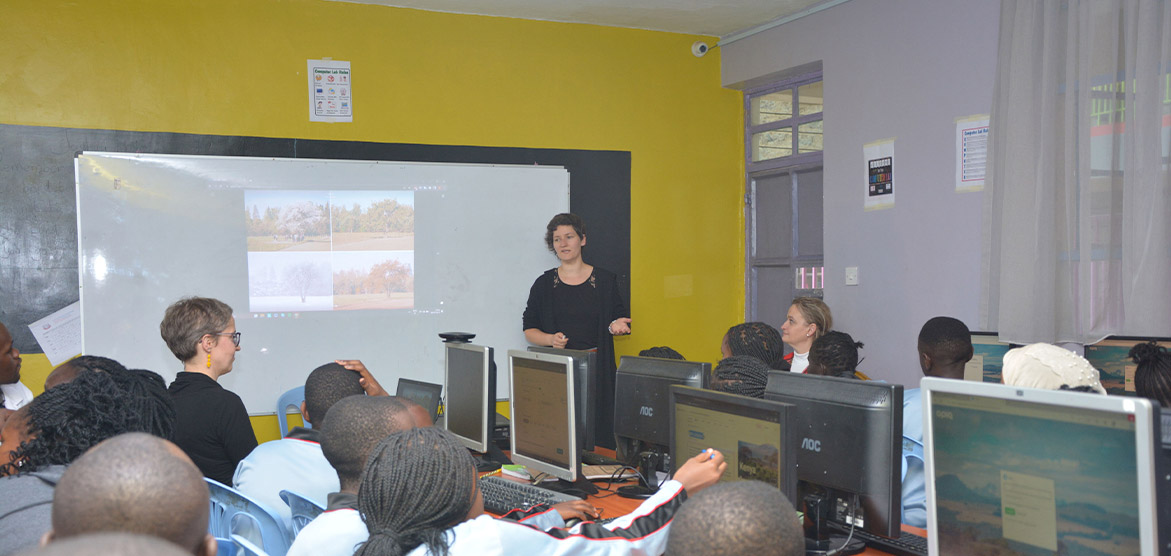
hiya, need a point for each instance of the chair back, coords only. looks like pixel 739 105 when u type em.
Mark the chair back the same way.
pixel 247 547
pixel 233 514
pixel 293 399
pixel 912 449
pixel 225 547
pixel 303 509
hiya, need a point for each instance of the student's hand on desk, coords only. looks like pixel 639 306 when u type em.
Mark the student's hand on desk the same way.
pixel 367 380
pixel 576 509
pixel 701 471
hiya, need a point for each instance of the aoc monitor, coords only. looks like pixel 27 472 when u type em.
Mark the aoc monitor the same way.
pixel 1028 471
pixel 849 447
pixel 753 434
pixel 425 394
pixel 642 403
pixel 585 389
pixel 470 379
pixel 544 421
pixel 1112 359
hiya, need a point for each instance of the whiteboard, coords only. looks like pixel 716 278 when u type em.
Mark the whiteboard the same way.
pixel 290 243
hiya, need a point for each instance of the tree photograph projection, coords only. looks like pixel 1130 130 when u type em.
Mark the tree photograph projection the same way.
pixel 327 250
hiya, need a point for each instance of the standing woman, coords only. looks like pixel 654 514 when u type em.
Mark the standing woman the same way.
pixel 808 319
pixel 578 306
pixel 211 424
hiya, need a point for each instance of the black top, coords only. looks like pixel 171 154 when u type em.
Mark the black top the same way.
pixel 211 425
pixel 575 313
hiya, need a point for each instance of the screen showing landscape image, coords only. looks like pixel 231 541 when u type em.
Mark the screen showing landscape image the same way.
pixel 1115 367
pixel 1020 478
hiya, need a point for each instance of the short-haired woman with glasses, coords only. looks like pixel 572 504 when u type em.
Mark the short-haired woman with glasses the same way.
pixel 211 423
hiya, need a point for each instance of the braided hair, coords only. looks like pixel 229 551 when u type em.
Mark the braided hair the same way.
pixel 662 352
pixel 834 354
pixel 151 405
pixel 417 484
pixel 1152 378
pixel 759 340
pixel 67 420
pixel 741 374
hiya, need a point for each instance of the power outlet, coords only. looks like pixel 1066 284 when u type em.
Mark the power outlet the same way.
pixel 851 276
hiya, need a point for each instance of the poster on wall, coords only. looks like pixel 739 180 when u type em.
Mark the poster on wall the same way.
pixel 880 182
pixel 330 91
pixel 971 152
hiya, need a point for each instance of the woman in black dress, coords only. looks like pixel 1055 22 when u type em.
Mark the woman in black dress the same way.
pixel 578 306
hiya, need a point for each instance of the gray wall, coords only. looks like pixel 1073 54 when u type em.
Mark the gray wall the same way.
pixel 904 69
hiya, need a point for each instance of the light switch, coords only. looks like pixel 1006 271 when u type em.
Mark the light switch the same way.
pixel 851 276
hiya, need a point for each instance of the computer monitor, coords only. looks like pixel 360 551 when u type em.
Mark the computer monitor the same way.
pixel 544 421
pixel 849 453
pixel 1029 471
pixel 987 357
pixel 584 390
pixel 642 401
pixel 425 394
pixel 1115 367
pixel 470 413
pixel 753 434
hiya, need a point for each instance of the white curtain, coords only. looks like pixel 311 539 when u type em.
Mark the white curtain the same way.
pixel 1078 199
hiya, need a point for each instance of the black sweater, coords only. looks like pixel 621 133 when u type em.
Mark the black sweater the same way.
pixel 211 425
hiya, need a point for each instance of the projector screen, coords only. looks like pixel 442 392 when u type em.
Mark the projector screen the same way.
pixel 319 259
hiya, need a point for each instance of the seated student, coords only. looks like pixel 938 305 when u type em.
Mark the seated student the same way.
pixel 39 440
pixel 1152 377
pixel 808 319
pixel 14 394
pixel 741 374
pixel 295 462
pixel 662 352
pixel 109 544
pixel 69 370
pixel 134 483
pixel 945 346
pixel 835 354
pixel 419 495
pixel 744 518
pixel 352 428
pixel 1050 367
pixel 757 339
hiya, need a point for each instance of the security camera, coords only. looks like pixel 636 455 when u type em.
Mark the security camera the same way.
pixel 699 48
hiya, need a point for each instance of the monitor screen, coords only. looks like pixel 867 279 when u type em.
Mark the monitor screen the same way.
pixel 849 434
pixel 641 398
pixel 544 435
pixel 584 388
pixel 425 394
pixel 987 357
pixel 1115 367
pixel 752 434
pixel 1028 471
pixel 470 380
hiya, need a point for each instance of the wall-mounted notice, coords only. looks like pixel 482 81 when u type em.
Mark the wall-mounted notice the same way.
pixel 330 91
pixel 59 334
pixel 880 181
pixel 971 152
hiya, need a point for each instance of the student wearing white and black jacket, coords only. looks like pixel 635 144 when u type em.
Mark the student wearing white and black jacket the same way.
pixel 419 497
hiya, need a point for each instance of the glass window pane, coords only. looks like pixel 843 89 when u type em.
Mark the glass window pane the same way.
pixel 772 217
pixel 772 144
pixel 809 98
pixel 772 107
pixel 809 137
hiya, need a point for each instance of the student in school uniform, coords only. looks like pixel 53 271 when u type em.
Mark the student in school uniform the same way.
pixel 15 394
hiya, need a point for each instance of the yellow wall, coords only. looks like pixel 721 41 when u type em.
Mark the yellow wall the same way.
pixel 238 68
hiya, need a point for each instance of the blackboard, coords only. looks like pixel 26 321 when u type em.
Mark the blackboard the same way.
pixel 38 219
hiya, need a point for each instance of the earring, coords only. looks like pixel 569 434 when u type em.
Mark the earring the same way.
pixel 209 360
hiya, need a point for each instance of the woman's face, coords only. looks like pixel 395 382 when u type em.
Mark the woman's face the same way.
pixel 725 350
pixel 14 432
pixel 796 330
pixel 567 244
pixel 223 350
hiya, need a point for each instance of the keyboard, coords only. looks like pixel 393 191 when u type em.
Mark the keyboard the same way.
pixel 503 495
pixel 908 544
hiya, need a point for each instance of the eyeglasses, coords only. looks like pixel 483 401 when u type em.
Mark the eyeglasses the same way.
pixel 235 336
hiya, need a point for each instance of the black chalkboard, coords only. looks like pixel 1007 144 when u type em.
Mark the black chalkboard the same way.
pixel 38 211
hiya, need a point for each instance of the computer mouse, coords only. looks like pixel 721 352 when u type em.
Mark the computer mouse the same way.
pixel 569 523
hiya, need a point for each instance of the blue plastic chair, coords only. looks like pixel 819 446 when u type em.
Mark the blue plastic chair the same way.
pixel 293 399
pixel 247 547
pixel 225 547
pixel 912 449
pixel 303 509
pixel 233 514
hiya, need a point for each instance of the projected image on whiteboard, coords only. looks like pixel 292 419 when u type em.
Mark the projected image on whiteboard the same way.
pixel 372 220
pixel 373 280
pixel 287 220
pixel 290 281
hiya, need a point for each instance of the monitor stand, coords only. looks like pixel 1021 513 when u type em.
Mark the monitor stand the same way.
pixel 648 463
pixel 490 460
pixel 819 541
pixel 582 485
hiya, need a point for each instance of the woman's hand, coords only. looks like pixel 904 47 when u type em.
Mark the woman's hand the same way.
pixel 620 326
pixel 366 378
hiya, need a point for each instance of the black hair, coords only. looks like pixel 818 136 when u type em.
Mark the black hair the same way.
pixel 353 426
pixel 67 420
pixel 1152 377
pixel 834 354
pixel 946 340
pixel 741 374
pixel 95 363
pixel 417 484
pixel 759 340
pixel 714 522
pixel 327 385
pixel 662 352
pixel 564 219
